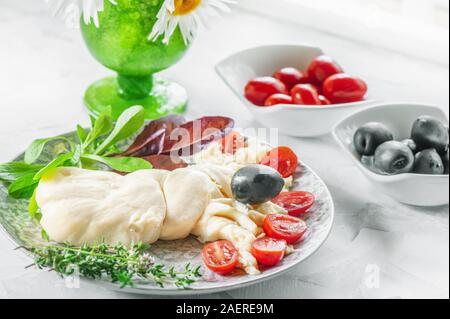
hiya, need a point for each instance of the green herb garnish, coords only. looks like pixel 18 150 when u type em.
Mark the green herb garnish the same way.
pixel 93 148
pixel 118 264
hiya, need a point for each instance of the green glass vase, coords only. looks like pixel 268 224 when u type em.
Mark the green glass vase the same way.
pixel 121 44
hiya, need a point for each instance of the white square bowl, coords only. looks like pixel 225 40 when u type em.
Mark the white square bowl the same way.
pixel 294 120
pixel 411 189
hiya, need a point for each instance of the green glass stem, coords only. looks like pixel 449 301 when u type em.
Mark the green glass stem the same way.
pixel 134 87
pixel 121 44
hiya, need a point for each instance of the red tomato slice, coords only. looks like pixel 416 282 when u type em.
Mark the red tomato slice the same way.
pixel 269 251
pixel 296 203
pixel 220 257
pixel 283 159
pixel 232 142
pixel 286 227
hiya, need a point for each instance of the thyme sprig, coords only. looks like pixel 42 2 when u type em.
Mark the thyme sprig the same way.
pixel 118 263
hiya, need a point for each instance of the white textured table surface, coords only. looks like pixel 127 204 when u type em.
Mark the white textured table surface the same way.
pixel 44 69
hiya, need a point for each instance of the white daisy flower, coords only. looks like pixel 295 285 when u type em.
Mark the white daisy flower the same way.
pixel 188 15
pixel 90 8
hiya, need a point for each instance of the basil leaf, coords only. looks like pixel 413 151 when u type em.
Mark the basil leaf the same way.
pixel 81 133
pixel 129 122
pixel 45 236
pixel 33 207
pixel 121 164
pixel 75 160
pixel 23 187
pixel 36 148
pixel 102 126
pixel 9 172
pixel 58 161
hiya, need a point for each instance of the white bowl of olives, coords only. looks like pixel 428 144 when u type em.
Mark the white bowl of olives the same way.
pixel 403 149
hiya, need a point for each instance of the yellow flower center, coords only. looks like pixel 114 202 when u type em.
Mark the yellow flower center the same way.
pixel 184 7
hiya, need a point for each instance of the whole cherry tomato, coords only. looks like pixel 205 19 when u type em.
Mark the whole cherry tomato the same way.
pixel 282 159
pixel 259 90
pixel 232 142
pixel 324 100
pixel 278 99
pixel 290 77
pixel 305 94
pixel 322 68
pixel 307 80
pixel 296 203
pixel 220 257
pixel 344 88
pixel 286 227
pixel 269 251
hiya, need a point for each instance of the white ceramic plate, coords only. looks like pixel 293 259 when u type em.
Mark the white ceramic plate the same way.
pixel 412 189
pixel 294 120
pixel 15 222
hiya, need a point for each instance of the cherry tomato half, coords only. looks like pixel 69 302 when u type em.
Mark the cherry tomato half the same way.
pixel 269 251
pixel 278 99
pixel 305 94
pixel 286 227
pixel 282 159
pixel 259 90
pixel 296 203
pixel 322 68
pixel 220 257
pixel 232 142
pixel 290 77
pixel 344 88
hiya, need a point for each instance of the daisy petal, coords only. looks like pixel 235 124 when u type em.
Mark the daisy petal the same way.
pixel 189 19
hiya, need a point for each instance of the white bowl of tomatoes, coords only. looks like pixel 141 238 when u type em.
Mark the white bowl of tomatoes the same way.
pixel 295 88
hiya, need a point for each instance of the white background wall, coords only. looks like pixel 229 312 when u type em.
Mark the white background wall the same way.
pixel 415 27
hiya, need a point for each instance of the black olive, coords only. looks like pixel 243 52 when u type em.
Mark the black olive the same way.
pixel 369 136
pixel 411 144
pixel 429 162
pixel 428 132
pixel 394 158
pixel 368 162
pixel 445 161
pixel 256 184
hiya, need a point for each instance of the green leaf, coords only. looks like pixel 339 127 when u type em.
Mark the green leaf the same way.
pixel 36 148
pixel 9 172
pixel 45 236
pixel 33 206
pixel 75 160
pixel 102 126
pixel 129 122
pixel 121 164
pixel 23 187
pixel 93 120
pixel 58 161
pixel 82 135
